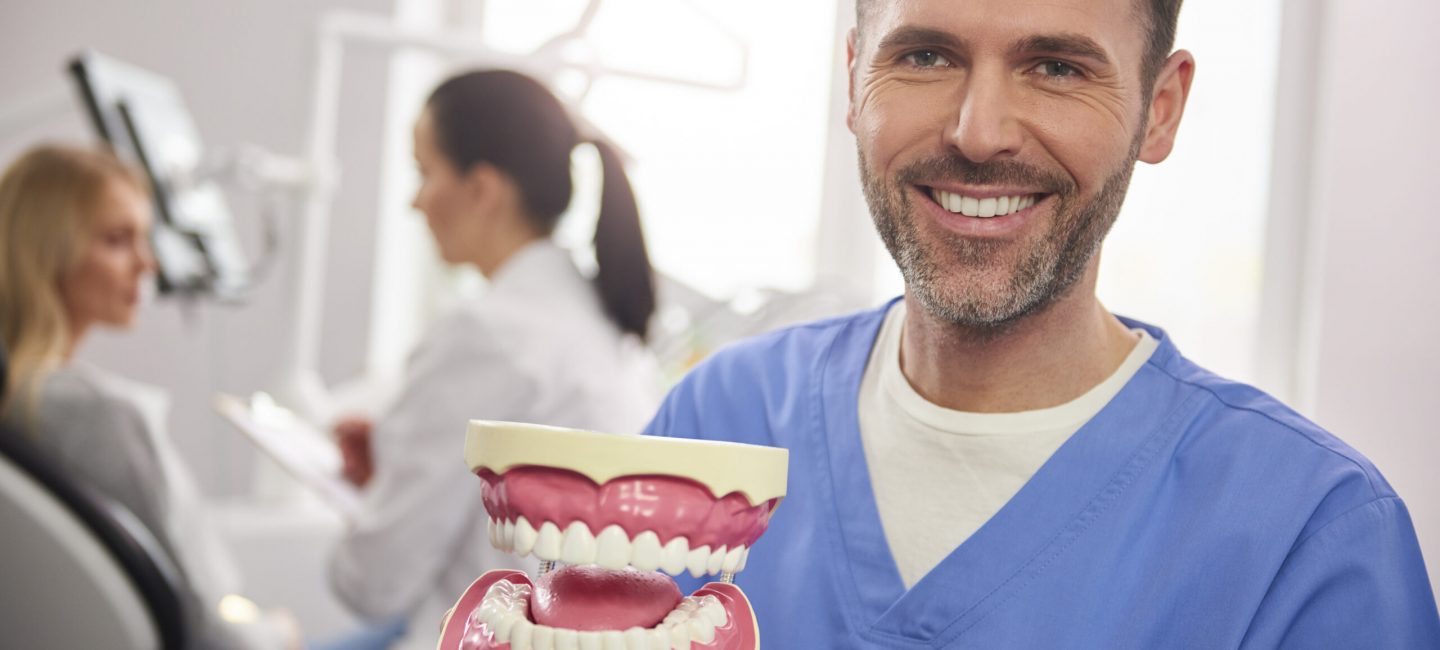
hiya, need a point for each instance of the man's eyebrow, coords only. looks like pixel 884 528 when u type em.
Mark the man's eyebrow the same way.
pixel 1075 45
pixel 907 36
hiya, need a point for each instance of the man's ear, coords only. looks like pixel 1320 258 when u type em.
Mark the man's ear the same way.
pixel 851 42
pixel 1167 105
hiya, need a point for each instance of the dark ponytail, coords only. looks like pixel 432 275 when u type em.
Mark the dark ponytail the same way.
pixel 624 279
pixel 511 121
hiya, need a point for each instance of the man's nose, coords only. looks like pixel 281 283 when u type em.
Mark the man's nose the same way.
pixel 987 126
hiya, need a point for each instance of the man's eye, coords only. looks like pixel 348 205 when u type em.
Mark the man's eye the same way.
pixel 1058 69
pixel 926 59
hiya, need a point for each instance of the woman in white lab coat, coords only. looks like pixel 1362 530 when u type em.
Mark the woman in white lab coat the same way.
pixel 544 344
pixel 74 253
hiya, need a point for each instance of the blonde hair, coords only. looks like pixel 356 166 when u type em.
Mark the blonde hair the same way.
pixel 47 204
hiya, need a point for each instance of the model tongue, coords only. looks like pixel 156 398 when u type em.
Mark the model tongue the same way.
pixel 592 598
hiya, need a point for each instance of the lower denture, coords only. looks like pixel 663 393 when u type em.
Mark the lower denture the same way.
pixel 577 608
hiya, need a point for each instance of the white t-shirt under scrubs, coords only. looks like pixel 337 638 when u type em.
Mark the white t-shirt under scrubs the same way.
pixel 939 474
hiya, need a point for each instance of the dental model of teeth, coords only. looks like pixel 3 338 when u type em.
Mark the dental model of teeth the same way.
pixel 615 512
pixel 983 208
pixel 613 548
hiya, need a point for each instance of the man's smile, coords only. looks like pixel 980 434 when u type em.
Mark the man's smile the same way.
pixel 979 212
pixel 984 207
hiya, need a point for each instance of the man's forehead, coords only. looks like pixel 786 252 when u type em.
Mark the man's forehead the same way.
pixel 1108 22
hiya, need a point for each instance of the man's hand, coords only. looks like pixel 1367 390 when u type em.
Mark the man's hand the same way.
pixel 352 434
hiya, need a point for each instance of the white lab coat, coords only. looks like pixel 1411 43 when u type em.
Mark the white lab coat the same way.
pixel 536 347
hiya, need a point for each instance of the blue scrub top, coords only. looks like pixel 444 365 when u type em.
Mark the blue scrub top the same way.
pixel 1191 512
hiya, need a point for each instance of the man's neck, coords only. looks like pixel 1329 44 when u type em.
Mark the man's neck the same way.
pixel 1041 360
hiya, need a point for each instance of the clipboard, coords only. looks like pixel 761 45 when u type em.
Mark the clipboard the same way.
pixel 304 452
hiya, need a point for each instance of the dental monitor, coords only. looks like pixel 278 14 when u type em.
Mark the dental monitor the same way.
pixel 142 117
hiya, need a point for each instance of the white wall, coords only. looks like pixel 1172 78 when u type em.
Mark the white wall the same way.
pixel 1374 308
pixel 246 71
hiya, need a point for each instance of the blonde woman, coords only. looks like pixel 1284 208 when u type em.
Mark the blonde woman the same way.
pixel 74 255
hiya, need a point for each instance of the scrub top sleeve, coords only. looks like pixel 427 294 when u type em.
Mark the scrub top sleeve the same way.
pixel 1359 582
pixel 678 415
pixel 660 424
pixel 423 499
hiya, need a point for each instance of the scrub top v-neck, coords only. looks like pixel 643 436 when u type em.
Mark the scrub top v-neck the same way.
pixel 1191 511
pixel 1017 541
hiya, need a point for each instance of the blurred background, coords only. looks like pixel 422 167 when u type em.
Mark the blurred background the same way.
pixel 1289 241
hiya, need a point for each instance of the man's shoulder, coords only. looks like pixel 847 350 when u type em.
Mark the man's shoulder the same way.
pixel 1256 438
pixel 744 390
pixel 788 351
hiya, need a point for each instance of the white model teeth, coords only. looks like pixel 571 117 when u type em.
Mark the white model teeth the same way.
pixel 983 208
pixel 613 548
pixel 525 536
pixel 697 560
pixel 579 545
pixel 547 544
pixel 731 564
pixel 504 607
pixel 717 560
pixel 503 614
pixel 645 551
pixel 672 556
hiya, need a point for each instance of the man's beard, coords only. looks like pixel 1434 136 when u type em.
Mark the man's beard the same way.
pixel 941 271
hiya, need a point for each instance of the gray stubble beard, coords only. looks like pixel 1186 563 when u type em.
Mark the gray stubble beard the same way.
pixel 1044 274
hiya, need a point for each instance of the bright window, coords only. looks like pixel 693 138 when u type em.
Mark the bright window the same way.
pixel 728 181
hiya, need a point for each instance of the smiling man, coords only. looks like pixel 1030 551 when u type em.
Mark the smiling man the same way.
pixel 995 460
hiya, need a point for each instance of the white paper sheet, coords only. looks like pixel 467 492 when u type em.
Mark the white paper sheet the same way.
pixel 306 453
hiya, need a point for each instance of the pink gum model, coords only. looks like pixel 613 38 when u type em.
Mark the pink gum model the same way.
pixel 614 510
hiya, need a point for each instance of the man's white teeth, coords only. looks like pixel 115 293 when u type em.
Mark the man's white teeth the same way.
pixel 983 208
pixel 503 613
pixel 613 548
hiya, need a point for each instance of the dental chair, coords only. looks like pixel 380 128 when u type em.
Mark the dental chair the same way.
pixel 77 569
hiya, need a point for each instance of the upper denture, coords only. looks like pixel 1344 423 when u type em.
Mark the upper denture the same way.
pixel 562 515
pixel 564 495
